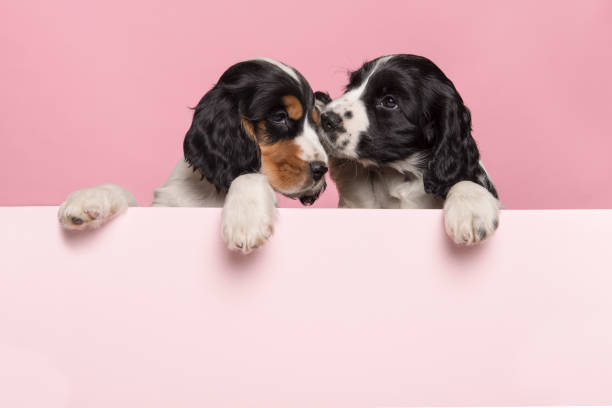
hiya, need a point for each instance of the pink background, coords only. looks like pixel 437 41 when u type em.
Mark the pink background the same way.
pixel 152 311
pixel 96 92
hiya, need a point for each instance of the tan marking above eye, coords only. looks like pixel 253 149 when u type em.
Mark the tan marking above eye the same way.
pixel 315 116
pixel 293 106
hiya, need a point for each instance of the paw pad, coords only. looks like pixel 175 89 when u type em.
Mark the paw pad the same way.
pixel 93 214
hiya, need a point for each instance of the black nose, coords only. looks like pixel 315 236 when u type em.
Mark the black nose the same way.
pixel 330 121
pixel 318 170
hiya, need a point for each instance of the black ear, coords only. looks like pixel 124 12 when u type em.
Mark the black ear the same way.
pixel 322 97
pixel 454 156
pixel 217 144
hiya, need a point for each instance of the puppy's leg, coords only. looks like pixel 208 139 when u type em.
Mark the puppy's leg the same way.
pixel 92 207
pixel 248 213
pixel 471 213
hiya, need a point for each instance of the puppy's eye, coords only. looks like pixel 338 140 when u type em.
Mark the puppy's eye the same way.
pixel 389 102
pixel 279 118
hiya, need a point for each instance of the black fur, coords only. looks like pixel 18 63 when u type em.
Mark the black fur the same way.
pixel 322 97
pixel 429 121
pixel 216 143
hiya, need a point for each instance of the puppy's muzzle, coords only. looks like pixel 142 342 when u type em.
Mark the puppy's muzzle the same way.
pixel 317 170
pixel 311 198
pixel 331 121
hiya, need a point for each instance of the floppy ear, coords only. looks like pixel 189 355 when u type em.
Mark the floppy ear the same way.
pixel 454 154
pixel 217 142
pixel 321 99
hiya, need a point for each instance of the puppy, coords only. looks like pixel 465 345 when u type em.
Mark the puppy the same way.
pixel 252 134
pixel 400 137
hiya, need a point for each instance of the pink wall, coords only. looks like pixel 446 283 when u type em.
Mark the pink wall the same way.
pixel 94 93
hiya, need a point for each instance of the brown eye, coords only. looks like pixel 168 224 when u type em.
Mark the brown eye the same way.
pixel 279 118
pixel 389 102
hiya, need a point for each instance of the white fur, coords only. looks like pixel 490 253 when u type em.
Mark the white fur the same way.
pixel 308 140
pixel 249 207
pixel 409 165
pixel 288 70
pixel 320 105
pixel 362 186
pixel 411 194
pixel 471 213
pixel 248 213
pixel 310 145
pixel 185 188
pixel 92 207
pixel 359 122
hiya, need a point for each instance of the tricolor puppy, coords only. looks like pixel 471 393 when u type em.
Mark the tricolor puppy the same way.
pixel 400 137
pixel 252 134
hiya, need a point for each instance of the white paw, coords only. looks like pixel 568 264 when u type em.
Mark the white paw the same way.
pixel 92 207
pixel 471 213
pixel 248 213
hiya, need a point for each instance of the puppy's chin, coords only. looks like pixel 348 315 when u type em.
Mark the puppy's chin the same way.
pixel 309 195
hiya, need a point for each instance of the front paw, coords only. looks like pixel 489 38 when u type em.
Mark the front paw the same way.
pixel 248 213
pixel 471 213
pixel 246 233
pixel 92 207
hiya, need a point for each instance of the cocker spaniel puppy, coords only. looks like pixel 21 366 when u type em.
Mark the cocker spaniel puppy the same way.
pixel 400 137
pixel 252 134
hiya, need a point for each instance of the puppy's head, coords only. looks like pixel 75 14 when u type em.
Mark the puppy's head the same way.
pixel 259 117
pixel 402 111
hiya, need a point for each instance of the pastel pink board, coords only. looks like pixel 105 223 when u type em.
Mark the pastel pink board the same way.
pixel 342 308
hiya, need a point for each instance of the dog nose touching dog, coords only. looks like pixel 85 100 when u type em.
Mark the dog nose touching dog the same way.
pixel 400 137
pixel 331 121
pixel 318 170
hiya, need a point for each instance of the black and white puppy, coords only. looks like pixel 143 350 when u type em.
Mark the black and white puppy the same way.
pixel 252 134
pixel 400 137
